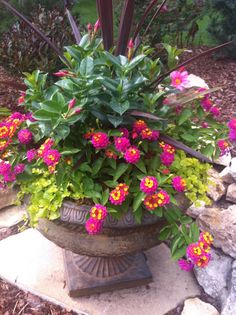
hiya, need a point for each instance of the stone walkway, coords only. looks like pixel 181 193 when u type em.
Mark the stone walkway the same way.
pixel 35 264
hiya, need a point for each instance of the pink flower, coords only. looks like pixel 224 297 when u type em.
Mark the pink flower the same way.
pixel 97 26
pixel 149 184
pixel 61 73
pixel 93 226
pixel 151 135
pixel 223 146
pixel 179 79
pixel 9 177
pixel 17 115
pixel 194 252
pixel 130 44
pixel 159 199
pixel 122 144
pixel 232 124
pixel 25 136
pixel 89 27
pixel 124 132
pixel 185 265
pixel 98 212
pixel 204 124
pixel 203 260
pixel 179 184
pixel 29 116
pixel 5 168
pixel 19 168
pixel 117 196
pixel 72 103
pixel 139 125
pixel 167 158
pixel 100 140
pixel 206 103
pixel 51 157
pixel 215 111
pixel 132 155
pixel 232 135
pixel 45 146
pixel 31 155
pixel 4 130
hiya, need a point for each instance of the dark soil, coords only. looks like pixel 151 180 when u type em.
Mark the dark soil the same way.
pixel 15 301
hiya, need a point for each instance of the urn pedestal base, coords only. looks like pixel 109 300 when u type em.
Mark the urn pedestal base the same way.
pixel 87 275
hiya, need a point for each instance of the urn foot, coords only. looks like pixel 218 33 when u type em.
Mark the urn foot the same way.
pixel 87 275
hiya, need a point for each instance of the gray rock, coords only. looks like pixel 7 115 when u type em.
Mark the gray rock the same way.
pixel 226 176
pixel 224 159
pixel 233 168
pixel 222 225
pixel 217 188
pixel 7 197
pixel 214 278
pixel 194 211
pixel 197 307
pixel 231 193
pixel 11 216
pixel 229 307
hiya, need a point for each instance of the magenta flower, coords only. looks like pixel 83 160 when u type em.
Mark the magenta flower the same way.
pixel 232 135
pixel 29 116
pixel 149 184
pixel 179 184
pixel 17 115
pixel 167 158
pixel 223 146
pixel 97 26
pixel 124 132
pixel 232 124
pixel 179 79
pixel 151 135
pixel 61 73
pixel 5 168
pixel 25 136
pixel 185 265
pixel 122 144
pixel 31 155
pixel 194 252
pixel 51 157
pixel 206 103
pixel 215 111
pixel 19 168
pixel 98 212
pixel 204 124
pixel 132 155
pixel 9 177
pixel 138 126
pixel 72 103
pixel 93 226
pixel 117 196
pixel 100 140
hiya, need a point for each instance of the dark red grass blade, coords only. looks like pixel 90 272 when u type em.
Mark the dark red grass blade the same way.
pixel 105 13
pixel 73 25
pixel 125 27
pixel 154 16
pixel 185 148
pixel 35 29
pixel 209 51
pixel 143 18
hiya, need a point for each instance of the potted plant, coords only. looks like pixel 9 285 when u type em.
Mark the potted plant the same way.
pixel 112 134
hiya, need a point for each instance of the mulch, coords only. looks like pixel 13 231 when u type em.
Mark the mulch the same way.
pixel 217 73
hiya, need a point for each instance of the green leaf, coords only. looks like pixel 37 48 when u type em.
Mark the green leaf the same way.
pixel 138 215
pixel 120 108
pixel 165 233
pixel 174 243
pixel 97 166
pixel 111 163
pixel 116 121
pixel 185 115
pixel 84 167
pixel 208 150
pixel 111 183
pixel 186 220
pixel 105 196
pixel 188 137
pixel 180 252
pixel 121 169
pixel 141 166
pixel 194 232
pixel 45 115
pixel 86 66
pixel 134 62
pixel 138 199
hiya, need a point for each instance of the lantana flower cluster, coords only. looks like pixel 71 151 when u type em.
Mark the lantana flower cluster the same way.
pixel 198 254
pixel 94 224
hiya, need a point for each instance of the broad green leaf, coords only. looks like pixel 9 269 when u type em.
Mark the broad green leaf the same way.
pixel 121 169
pixel 174 243
pixel 44 115
pixel 69 151
pixel 208 150
pixel 165 233
pixel 179 252
pixel 194 232
pixel 138 199
pixel 185 115
pixel 97 166
pixel 84 167
pixel 111 183
pixel 116 121
pixel 141 166
pixel 105 196
pixel 86 66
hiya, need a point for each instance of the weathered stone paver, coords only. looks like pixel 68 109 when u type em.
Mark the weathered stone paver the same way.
pixel 33 263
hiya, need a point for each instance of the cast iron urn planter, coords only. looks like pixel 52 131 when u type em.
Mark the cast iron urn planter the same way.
pixel 107 261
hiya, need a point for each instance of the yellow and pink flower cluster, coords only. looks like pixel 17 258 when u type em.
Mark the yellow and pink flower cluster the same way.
pixel 118 194
pixel 198 254
pixel 94 224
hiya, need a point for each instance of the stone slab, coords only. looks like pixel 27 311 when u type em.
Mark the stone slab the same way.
pixel 7 197
pixel 197 307
pixel 35 264
pixel 11 216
